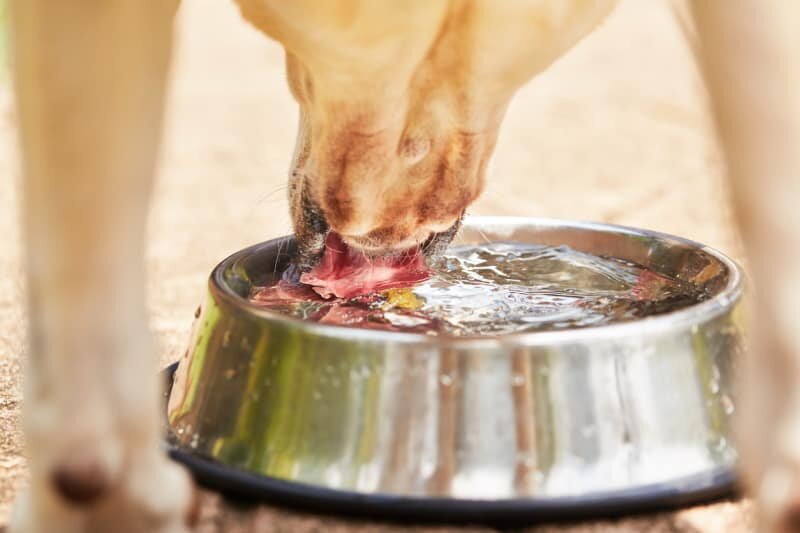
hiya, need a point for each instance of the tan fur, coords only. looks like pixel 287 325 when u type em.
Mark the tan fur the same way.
pixel 400 103
pixel 751 53
pixel 90 78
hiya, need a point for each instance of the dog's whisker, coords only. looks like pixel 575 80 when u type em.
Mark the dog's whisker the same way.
pixel 486 239
pixel 268 196
pixel 281 243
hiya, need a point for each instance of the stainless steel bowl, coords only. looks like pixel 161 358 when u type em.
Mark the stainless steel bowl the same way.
pixel 639 409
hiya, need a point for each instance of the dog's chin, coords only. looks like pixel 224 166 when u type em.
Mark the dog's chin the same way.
pixel 437 243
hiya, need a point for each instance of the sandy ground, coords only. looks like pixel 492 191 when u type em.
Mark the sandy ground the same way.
pixel 617 131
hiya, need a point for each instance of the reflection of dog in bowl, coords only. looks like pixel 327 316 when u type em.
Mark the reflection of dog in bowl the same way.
pixel 400 107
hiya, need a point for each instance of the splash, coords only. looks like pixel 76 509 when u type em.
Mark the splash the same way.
pixel 497 289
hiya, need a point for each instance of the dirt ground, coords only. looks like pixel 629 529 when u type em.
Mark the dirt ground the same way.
pixel 617 131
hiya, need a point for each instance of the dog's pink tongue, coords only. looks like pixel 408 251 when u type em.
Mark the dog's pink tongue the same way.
pixel 346 273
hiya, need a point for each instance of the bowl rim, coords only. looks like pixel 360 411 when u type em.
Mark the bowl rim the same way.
pixel 684 318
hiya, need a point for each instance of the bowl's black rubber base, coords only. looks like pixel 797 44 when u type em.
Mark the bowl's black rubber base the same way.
pixel 249 486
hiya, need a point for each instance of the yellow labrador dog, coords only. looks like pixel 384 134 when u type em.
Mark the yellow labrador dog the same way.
pixel 400 104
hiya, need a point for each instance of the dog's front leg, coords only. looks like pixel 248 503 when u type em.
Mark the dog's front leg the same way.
pixel 752 66
pixel 90 82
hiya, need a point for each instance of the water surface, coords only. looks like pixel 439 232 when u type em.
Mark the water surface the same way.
pixel 500 288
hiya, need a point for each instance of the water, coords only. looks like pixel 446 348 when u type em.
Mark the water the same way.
pixel 499 289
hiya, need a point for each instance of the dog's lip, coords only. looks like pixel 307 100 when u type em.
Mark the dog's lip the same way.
pixel 418 241
pixel 434 244
pixel 366 246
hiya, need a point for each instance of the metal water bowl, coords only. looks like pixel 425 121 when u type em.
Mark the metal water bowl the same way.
pixel 607 419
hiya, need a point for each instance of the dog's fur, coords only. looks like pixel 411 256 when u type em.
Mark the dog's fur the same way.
pixel 400 108
pixel 751 53
pixel 401 103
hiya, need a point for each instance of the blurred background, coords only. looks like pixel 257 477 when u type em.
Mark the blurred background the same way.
pixel 617 131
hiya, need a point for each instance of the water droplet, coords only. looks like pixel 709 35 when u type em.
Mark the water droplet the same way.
pixel 517 380
pixel 446 380
pixel 727 404
pixel 526 459
pixel 713 385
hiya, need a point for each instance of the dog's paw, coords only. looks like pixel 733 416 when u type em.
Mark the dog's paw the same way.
pixel 162 495
pixel 778 497
pixel 778 488
pixel 154 496
pixel 41 515
pixel 22 516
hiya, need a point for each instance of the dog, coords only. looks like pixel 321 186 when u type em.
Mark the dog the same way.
pixel 749 52
pixel 400 105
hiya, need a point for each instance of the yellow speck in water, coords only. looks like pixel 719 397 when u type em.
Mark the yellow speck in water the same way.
pixel 403 298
